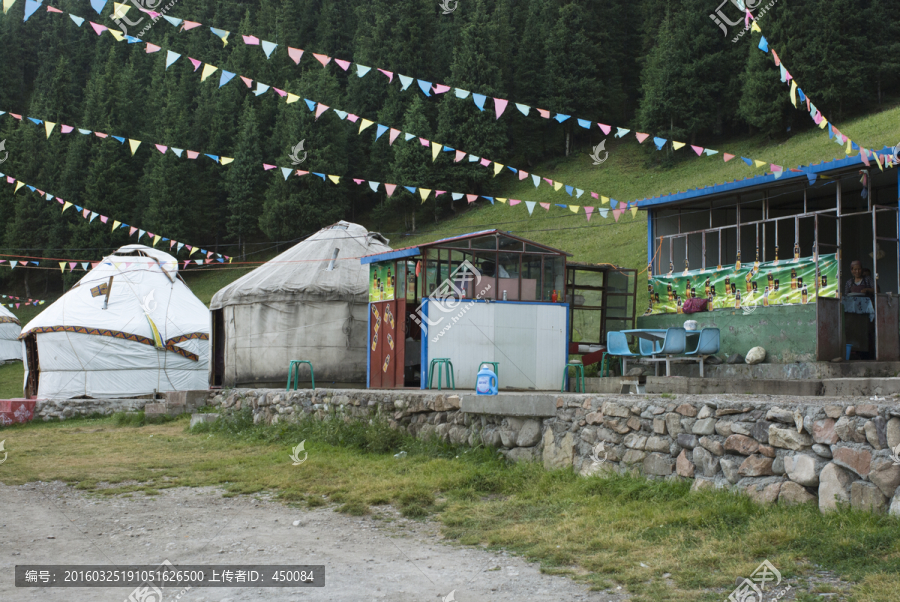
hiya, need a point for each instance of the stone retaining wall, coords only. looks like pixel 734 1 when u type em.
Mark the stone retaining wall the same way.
pixel 61 409
pixel 791 452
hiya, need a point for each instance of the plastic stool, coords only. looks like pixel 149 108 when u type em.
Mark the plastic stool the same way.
pixel 605 365
pixel 579 372
pixel 435 366
pixel 496 366
pixel 294 373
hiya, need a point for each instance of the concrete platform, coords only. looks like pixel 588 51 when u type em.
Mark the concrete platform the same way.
pixel 798 370
pixel 830 387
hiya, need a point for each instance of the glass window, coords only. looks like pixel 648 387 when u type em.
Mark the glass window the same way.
pixel 485 242
pixel 531 278
pixel 508 276
pixel 554 278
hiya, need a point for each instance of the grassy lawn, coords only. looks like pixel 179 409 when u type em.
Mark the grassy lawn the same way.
pixel 606 531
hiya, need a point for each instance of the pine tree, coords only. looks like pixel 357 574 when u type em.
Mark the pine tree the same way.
pixel 243 180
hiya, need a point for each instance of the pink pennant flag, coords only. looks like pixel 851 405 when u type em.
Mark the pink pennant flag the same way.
pixel 697 149
pixel 10 180
pixel 132 231
pixel 545 206
pixel 187 262
pixel 513 202
pixel 267 167
pixel 53 9
pixel 787 75
pixel 865 156
pixel 500 106
pixel 65 129
pixel 189 25
pixel 641 137
pixel 39 191
pixel 588 211
pixel 104 219
pixel 195 63
pixel 152 48
pixel 247 81
pixel 358 181
pixel 101 135
pixel 60 201
pixel 393 135
pixel 98 28
pixel 342 64
pixel 388 74
pixel 153 14
pixel 161 148
pixel 322 58
pixel 544 114
pixel 280 93
pixel 727 157
pixel 151 235
pixel 300 172
pixel 460 155
pixel 19 117
pixel 438 193
pixel 295 54
pixel 353 118
pixel 390 188
pixel 485 162
pixel 95 264
pixel 594 195
pixel 192 154
pixel 775 56
pixel 189 247
pixel 523 174
pixel 440 88
pixel 320 108
pixel 617 213
pixel 471 197
pixel 548 180
pixel 773 167
pixel 606 129
pixel 424 142
pixel 251 40
pixel 86 213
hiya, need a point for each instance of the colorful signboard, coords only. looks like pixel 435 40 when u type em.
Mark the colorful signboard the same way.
pixel 381 282
pixel 785 282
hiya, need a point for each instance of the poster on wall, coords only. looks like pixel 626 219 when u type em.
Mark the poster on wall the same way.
pixel 785 282
pixel 381 282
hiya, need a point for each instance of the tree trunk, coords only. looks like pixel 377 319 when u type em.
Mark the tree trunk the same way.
pixel 27 288
pixel 567 142
pixel 413 219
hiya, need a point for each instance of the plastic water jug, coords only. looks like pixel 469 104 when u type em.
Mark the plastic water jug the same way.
pixel 486 384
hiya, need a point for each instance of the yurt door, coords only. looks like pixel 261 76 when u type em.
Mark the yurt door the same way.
pixel 217 374
pixel 34 367
pixel 386 344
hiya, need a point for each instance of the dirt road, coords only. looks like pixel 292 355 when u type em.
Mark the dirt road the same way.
pixel 383 557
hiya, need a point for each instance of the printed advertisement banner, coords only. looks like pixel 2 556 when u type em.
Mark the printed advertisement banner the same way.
pixel 381 282
pixel 784 282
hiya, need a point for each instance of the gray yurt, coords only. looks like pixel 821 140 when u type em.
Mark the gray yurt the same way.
pixel 309 303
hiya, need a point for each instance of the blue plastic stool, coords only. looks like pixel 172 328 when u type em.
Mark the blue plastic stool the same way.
pixel 435 366
pixel 579 372
pixel 294 373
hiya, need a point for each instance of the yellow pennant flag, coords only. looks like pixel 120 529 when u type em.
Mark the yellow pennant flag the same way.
pixel 119 10
pixel 822 124
pixel 7 4
pixel 334 179
pixel 634 211
pixel 49 125
pixel 194 250
pixel 794 92
pixel 116 225
pixel 156 239
pixel 18 185
pixel 502 200
pixel 574 208
pixel 435 151
pixel 759 163
pixel 66 205
pixel 878 160
pixel 497 168
pixel 207 71
pixel 226 160
pixel 364 124
pixel 677 145
pixel 134 144
pixel 424 192
pixel 604 199
pixel 557 185
pixel 849 150
pixel 292 98
pixel 62 266
pixel 755 27
pixel 118 35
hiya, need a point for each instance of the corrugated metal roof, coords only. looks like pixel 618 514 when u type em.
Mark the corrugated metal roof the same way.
pixel 416 249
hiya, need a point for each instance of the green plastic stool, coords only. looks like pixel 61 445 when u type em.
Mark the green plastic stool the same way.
pixel 435 366
pixel 496 366
pixel 579 372
pixel 605 365
pixel 294 373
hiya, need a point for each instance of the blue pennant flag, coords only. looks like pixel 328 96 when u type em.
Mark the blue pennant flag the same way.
pixel 424 86
pixel 225 77
pixel 560 117
pixel 321 175
pixel 570 190
pixel 381 130
pixel 584 123
pixel 411 189
pixel 310 104
pixel 659 142
pixel 479 100
pixel 30 7
pixel 763 44
pixel 747 161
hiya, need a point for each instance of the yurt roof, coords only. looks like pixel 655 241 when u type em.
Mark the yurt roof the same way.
pixel 302 272
pixel 5 313
pixel 144 281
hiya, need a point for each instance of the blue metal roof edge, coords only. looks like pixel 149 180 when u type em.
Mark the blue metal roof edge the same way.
pixel 754 181
pixel 389 255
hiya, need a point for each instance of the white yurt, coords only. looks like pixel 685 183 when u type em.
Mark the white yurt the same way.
pixel 309 303
pixel 130 327
pixel 10 346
